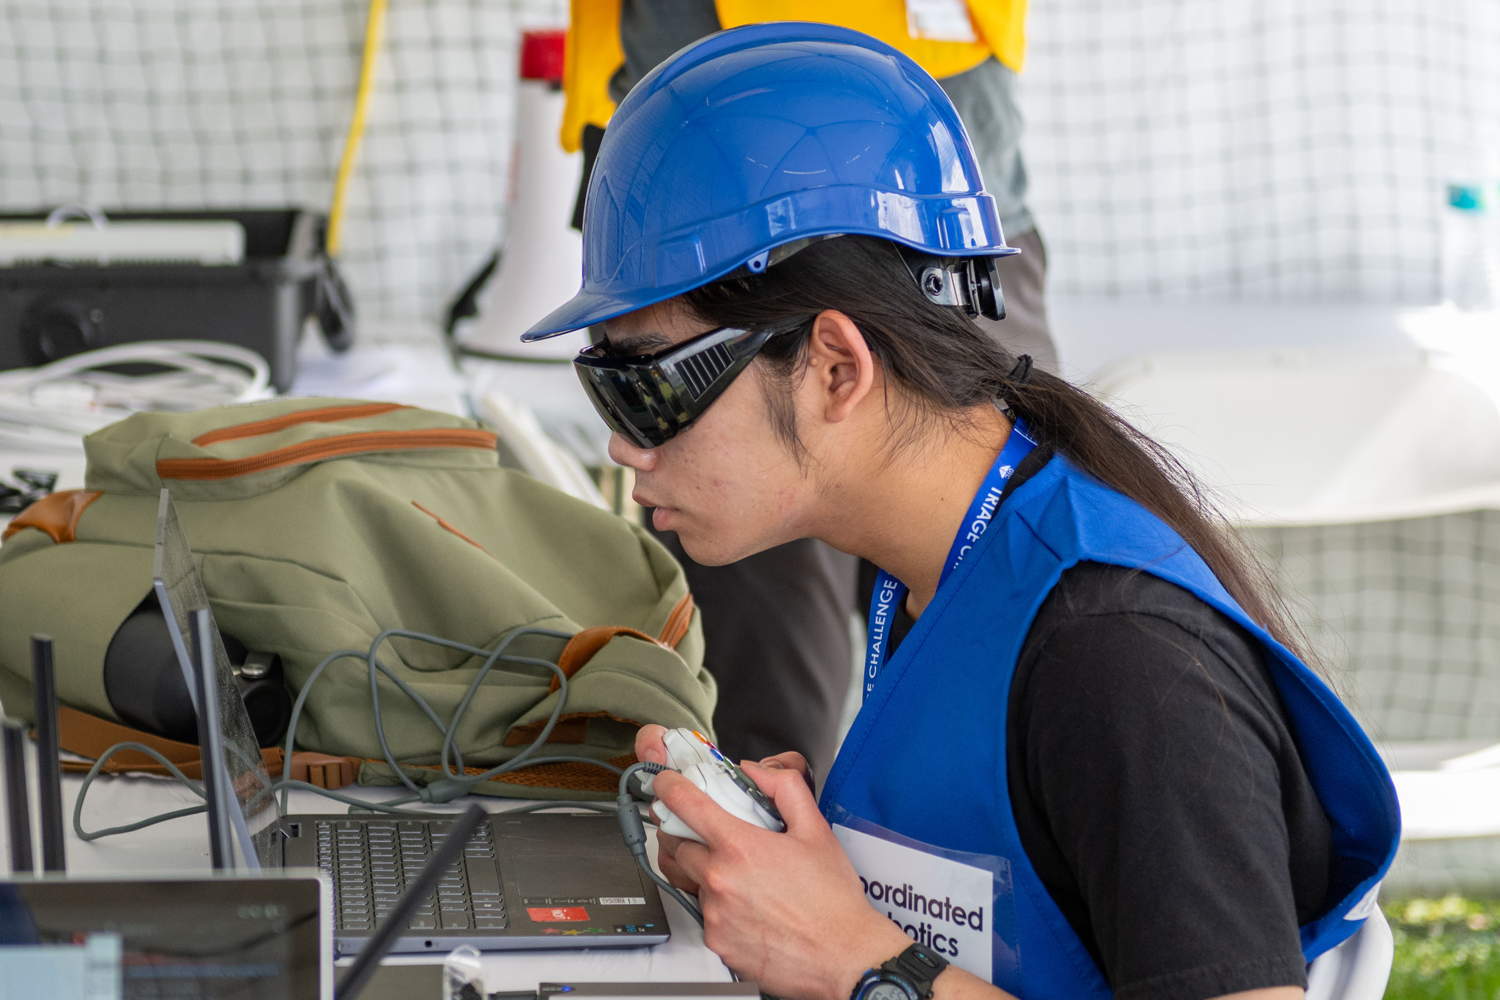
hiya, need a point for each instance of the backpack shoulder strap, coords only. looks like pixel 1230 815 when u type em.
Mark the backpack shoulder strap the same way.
pixel 89 736
pixel 56 514
pixel 582 647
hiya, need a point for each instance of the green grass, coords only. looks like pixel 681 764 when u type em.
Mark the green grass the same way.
pixel 1446 949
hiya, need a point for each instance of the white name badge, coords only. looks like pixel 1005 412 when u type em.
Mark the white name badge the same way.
pixel 942 903
pixel 940 20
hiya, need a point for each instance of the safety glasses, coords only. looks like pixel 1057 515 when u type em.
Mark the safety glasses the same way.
pixel 652 398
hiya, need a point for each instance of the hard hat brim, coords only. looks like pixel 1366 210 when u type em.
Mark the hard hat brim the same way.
pixel 581 311
pixel 588 308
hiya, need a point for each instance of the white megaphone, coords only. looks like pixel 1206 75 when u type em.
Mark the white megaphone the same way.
pixel 541 261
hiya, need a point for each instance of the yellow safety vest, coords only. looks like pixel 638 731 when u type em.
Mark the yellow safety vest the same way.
pixel 594 53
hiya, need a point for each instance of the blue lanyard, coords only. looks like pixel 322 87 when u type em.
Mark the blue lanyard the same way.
pixel 890 592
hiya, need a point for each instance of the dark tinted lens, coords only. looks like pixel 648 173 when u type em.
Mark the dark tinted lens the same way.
pixel 652 398
pixel 619 399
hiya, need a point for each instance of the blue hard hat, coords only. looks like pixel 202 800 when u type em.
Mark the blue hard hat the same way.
pixel 761 136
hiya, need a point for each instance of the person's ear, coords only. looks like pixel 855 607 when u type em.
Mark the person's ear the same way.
pixel 840 367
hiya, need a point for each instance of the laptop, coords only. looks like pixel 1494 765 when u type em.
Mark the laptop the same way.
pixel 182 935
pixel 261 937
pixel 526 880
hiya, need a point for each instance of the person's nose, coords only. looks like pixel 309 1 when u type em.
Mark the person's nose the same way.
pixel 623 451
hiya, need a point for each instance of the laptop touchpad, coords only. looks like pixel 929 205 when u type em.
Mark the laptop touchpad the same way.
pixel 575 877
pixel 569 856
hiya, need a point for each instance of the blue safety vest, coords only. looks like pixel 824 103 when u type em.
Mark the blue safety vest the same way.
pixel 924 764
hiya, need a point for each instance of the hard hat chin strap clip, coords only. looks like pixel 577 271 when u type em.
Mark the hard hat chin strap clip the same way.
pixel 970 283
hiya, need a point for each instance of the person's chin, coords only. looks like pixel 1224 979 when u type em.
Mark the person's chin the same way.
pixel 709 557
pixel 701 547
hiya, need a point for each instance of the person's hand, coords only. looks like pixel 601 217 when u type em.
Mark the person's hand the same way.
pixel 649 746
pixel 666 844
pixel 775 903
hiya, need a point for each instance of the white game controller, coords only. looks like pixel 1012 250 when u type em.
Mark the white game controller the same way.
pixel 700 762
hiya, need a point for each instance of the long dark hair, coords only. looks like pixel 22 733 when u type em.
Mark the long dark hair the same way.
pixel 947 365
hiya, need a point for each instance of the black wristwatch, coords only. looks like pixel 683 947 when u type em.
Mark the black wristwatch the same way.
pixel 908 976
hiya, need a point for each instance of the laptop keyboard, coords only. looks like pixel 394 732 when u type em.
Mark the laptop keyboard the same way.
pixel 371 862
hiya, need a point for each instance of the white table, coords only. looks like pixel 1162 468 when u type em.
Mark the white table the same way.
pixel 182 845
pixel 1448 791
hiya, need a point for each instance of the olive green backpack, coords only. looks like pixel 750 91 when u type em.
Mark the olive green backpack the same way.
pixel 319 523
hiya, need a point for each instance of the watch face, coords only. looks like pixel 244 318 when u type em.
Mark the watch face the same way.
pixel 886 990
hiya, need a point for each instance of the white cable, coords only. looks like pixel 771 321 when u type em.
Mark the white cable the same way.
pixel 62 213
pixel 56 403
pixel 246 372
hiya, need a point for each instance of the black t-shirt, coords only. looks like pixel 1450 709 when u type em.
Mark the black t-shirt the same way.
pixel 1157 789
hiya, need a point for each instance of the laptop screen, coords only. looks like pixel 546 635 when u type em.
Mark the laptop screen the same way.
pixel 180 591
pixel 259 937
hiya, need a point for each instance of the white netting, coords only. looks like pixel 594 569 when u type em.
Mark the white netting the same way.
pixel 1176 148
pixel 1282 149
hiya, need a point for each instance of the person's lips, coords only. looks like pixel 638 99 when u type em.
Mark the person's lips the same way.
pixel 662 517
pixel 660 513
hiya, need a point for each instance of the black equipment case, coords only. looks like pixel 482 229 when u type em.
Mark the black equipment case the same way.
pixel 49 310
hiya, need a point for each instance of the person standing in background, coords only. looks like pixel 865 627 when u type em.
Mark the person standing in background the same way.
pixel 776 624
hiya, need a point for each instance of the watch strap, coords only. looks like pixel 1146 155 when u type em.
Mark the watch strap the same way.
pixel 919 966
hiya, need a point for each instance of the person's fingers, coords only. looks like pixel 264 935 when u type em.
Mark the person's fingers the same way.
pixel 792 794
pixel 696 808
pixel 671 870
pixel 690 862
pixel 789 760
pixel 649 746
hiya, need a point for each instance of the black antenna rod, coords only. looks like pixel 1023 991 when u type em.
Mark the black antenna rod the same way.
pixel 210 740
pixel 17 801
pixel 48 772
